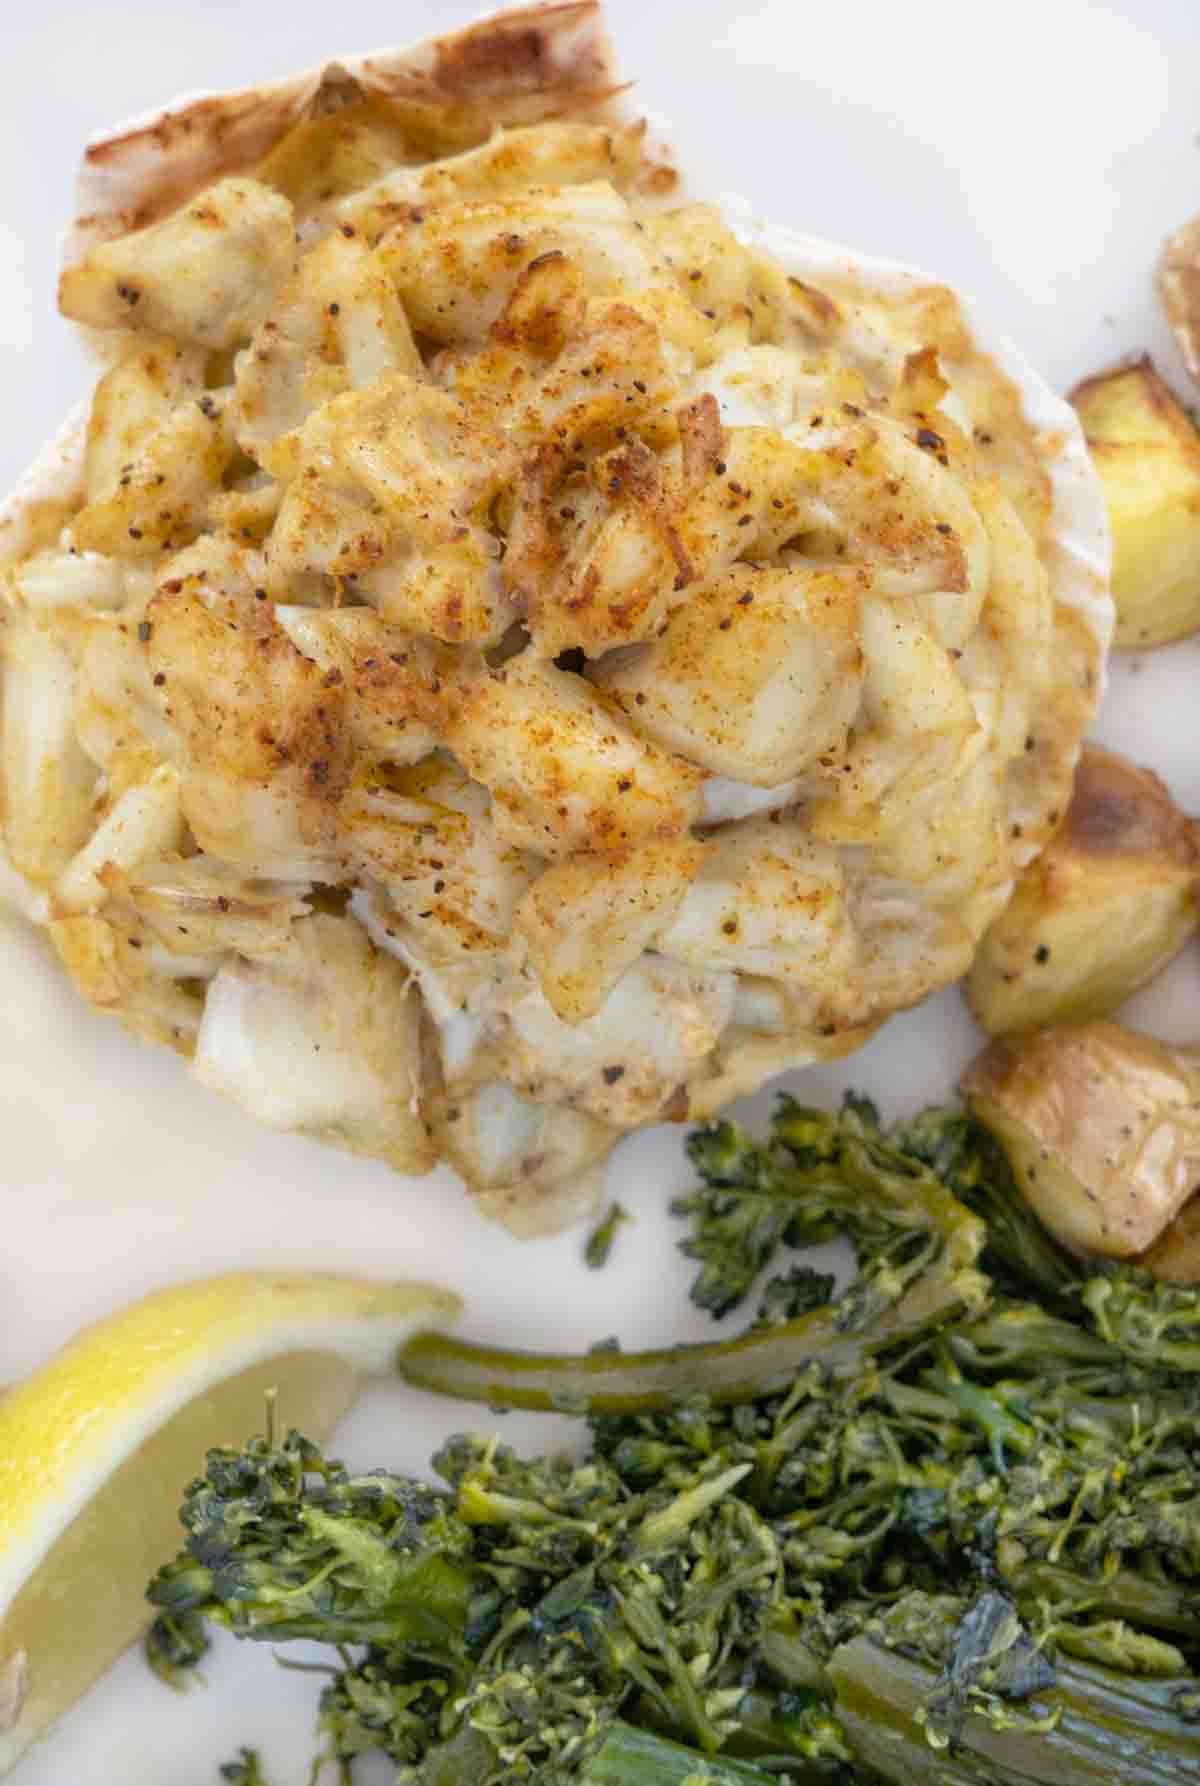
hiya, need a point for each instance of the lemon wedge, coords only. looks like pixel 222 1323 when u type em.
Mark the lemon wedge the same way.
pixel 97 1447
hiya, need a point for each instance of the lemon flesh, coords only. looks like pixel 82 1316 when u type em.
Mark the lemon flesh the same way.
pixel 97 1447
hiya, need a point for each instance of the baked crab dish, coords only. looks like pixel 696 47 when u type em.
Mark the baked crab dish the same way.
pixel 515 651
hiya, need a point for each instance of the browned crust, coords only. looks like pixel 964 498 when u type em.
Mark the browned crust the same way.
pixel 516 66
pixel 1133 362
pixel 1007 444
pixel 1158 394
pixel 1175 1256
pixel 1162 406
pixel 1120 809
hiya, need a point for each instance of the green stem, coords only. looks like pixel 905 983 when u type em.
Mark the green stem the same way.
pixel 1156 1324
pixel 1111 1727
pixel 1022 1337
pixel 395 1625
pixel 767 1731
pixel 1003 1431
pixel 785 1652
pixel 658 1530
pixel 685 1706
pixel 760 1362
pixel 629 1757
pixel 1120 1593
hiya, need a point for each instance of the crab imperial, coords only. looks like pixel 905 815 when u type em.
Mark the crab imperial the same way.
pixel 514 653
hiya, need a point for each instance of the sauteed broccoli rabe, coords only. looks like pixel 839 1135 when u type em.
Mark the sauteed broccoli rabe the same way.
pixel 939 1526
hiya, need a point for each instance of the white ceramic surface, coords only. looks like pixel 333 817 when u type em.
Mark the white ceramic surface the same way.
pixel 1033 155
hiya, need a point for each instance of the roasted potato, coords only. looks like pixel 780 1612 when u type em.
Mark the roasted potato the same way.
pixel 1175 1255
pixel 1107 904
pixel 1101 1126
pixel 1147 451
pixel 1179 289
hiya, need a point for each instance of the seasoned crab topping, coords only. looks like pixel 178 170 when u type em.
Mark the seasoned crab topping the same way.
pixel 520 663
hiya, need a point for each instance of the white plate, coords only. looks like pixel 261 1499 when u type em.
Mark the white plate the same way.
pixel 1036 164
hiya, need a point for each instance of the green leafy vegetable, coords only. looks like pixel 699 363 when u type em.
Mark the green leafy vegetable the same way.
pixel 600 1241
pixel 174 1645
pixel 934 1527
pixel 993 1663
pixel 245 1770
pixel 820 1175
pixel 793 1293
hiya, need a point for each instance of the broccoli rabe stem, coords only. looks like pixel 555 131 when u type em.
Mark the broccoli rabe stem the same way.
pixel 1120 1593
pixel 631 1757
pixel 1157 1325
pixel 760 1362
pixel 984 1408
pixel 626 1756
pixel 1109 1727
pixel 770 1729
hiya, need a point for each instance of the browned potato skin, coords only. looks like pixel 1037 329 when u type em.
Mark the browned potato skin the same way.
pixel 1101 1126
pixel 1147 451
pixel 1104 907
pixel 1179 289
pixel 1175 1255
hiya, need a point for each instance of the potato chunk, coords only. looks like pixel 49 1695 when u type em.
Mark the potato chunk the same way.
pixel 1147 451
pixel 1101 1126
pixel 1175 1256
pixel 208 273
pixel 1106 905
pixel 1179 289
